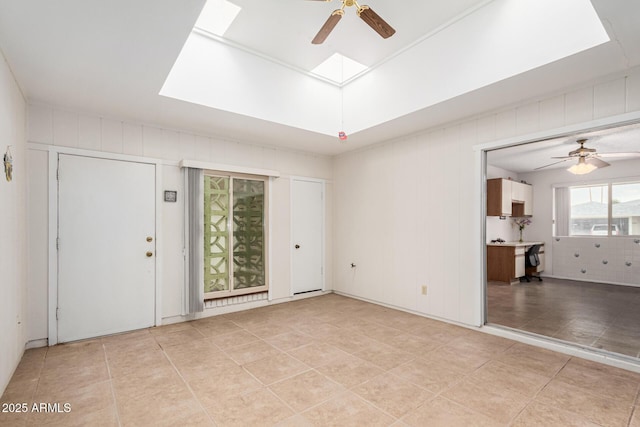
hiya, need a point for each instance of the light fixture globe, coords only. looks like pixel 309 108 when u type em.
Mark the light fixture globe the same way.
pixel 582 168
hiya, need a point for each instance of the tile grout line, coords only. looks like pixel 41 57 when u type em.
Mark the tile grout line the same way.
pixel 113 391
pixel 533 399
pixel 634 408
pixel 467 376
pixel 396 418
pixel 175 368
pixel 35 389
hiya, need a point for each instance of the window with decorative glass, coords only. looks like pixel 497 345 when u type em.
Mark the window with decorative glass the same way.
pixel 235 237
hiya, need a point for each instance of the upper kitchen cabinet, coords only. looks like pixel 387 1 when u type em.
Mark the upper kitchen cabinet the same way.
pixel 499 197
pixel 509 198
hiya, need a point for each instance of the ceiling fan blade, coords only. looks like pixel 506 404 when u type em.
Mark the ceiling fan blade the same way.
pixel 551 164
pixel 376 22
pixel 328 26
pixel 565 157
pixel 597 162
pixel 631 154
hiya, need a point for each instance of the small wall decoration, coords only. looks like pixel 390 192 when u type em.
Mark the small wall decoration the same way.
pixel 170 196
pixel 8 164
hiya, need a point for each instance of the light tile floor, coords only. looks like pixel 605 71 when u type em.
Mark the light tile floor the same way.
pixel 591 314
pixel 323 361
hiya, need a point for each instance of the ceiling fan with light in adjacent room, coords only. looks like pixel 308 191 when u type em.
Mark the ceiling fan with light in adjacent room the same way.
pixel 364 12
pixel 588 159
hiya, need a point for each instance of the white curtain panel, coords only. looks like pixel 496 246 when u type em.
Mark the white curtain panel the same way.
pixel 195 239
pixel 563 211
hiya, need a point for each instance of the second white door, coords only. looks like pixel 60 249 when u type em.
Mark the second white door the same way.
pixel 307 231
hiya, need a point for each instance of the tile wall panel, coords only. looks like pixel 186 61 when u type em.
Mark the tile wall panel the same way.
pixel 633 92
pixel 578 106
pixel 65 128
pixel 600 259
pixel 552 112
pixel 528 118
pixel 132 140
pixel 609 98
pixel 40 124
pixel 112 136
pixel 89 132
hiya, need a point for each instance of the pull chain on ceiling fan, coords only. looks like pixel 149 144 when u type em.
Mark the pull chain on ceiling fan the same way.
pixel 365 13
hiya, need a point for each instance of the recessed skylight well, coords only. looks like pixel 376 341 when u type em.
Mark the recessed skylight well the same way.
pixel 339 68
pixel 217 16
pixel 492 43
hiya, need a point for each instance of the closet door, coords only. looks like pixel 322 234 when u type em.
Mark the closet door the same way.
pixel 307 222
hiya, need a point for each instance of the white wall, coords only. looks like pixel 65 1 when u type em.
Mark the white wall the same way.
pixel 49 125
pixel 406 211
pixel 219 79
pixel 560 258
pixel 13 223
pixel 500 40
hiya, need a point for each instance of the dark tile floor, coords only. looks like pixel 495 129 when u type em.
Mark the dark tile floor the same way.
pixel 596 315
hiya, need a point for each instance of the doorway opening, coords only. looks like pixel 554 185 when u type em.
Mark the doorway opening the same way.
pixel 586 224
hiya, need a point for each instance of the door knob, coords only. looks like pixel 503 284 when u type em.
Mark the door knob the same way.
pixel 297 246
pixel 149 239
pixel 149 254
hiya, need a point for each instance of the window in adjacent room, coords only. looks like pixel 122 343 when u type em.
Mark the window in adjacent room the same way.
pixel 234 235
pixel 611 209
pixel 625 208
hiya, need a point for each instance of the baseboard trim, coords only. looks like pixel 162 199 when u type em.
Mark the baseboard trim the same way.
pixel 234 308
pixel 599 282
pixel 43 342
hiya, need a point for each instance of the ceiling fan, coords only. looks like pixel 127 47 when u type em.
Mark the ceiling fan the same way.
pixel 588 159
pixel 364 12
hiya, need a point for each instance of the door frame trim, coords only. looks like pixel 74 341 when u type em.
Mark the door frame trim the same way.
pixel 53 154
pixel 323 183
pixel 480 189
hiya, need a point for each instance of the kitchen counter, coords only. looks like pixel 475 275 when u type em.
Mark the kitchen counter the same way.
pixel 515 244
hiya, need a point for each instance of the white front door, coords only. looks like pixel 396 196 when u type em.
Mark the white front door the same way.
pixel 106 246
pixel 307 199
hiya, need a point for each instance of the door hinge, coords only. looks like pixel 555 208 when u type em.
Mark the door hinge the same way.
pixel 57 313
pixel 58 174
pixel 57 243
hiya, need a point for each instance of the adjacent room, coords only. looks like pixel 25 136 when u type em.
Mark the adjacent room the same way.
pixel 226 212
pixel 562 254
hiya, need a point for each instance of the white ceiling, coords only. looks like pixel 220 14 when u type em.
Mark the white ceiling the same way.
pixel 527 157
pixel 112 57
pixel 283 29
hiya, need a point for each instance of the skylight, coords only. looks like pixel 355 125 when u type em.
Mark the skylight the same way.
pixel 217 16
pixel 338 68
pixel 498 41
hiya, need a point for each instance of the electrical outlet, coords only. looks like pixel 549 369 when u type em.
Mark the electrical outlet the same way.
pixel 424 289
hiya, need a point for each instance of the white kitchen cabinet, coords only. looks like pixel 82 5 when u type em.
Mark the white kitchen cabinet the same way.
pixel 509 198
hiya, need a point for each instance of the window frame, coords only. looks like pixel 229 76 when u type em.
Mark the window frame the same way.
pixel 231 292
pixel 610 185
